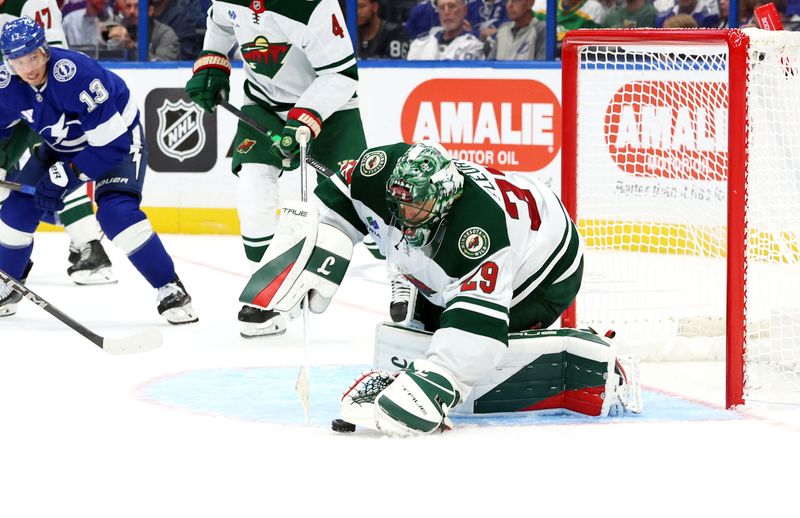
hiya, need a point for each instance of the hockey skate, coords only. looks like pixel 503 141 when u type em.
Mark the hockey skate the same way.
pixel 401 307
pixel 90 265
pixel 255 322
pixel 175 304
pixel 10 298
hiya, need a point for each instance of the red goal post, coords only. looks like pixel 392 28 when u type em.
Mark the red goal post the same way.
pixel 645 166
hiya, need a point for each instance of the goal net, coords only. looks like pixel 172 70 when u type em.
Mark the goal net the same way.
pixel 681 165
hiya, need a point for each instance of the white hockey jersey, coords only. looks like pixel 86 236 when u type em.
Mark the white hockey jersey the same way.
pixel 45 12
pixel 296 53
pixel 502 240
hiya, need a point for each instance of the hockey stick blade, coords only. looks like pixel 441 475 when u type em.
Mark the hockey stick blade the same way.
pixel 141 342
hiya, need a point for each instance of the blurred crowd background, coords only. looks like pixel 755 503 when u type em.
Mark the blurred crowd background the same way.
pixel 405 29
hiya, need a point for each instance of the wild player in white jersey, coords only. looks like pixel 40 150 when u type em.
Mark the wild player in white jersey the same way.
pixel 89 262
pixel 489 253
pixel 300 70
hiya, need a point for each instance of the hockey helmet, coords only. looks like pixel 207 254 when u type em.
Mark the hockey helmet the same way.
pixel 421 190
pixel 21 37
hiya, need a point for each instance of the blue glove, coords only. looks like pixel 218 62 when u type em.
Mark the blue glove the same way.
pixel 54 185
pixel 287 147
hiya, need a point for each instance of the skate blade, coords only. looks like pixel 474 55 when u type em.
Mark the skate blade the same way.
pixel 91 277
pixel 275 326
pixel 8 309
pixel 182 315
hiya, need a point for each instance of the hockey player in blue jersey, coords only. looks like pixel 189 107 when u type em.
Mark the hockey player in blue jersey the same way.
pixel 91 130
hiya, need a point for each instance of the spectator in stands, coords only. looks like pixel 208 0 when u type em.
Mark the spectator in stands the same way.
pixel 724 11
pixel 483 18
pixel 571 15
pixel 486 16
pixel 422 18
pixel 83 27
pixel 450 42
pixel 186 19
pixel 523 37
pixel 67 6
pixel 163 44
pixel 634 13
pixel 705 13
pixel 680 21
pixel 377 37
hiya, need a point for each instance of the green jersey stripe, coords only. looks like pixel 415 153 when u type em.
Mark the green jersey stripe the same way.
pixel 478 302
pixel 565 243
pixel 349 61
pixel 253 91
pixel 476 324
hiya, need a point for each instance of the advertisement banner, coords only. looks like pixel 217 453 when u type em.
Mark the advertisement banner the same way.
pixel 509 119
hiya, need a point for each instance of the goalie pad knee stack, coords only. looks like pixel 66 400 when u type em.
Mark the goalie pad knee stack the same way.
pixel 305 257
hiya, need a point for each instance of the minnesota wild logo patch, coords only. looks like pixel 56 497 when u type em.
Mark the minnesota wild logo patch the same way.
pixel 263 56
pixel 245 146
pixel 474 243
pixel 373 163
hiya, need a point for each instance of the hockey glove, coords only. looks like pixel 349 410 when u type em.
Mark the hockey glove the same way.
pixel 287 147
pixel 210 75
pixel 52 187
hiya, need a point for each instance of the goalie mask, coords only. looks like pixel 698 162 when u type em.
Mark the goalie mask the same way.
pixel 421 190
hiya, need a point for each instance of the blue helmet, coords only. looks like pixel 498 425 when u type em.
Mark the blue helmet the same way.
pixel 21 37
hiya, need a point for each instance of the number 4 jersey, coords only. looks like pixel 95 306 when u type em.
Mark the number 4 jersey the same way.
pixel 504 238
pixel 296 52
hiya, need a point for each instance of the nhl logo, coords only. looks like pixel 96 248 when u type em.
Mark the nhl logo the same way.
pixel 180 129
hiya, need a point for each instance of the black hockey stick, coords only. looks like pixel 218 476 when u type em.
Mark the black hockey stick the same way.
pixel 250 121
pixel 14 186
pixel 138 343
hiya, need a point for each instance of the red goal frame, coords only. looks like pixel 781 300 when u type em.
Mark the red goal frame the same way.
pixel 737 43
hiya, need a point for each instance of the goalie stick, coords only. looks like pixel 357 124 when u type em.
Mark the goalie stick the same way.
pixel 140 342
pixel 250 121
pixel 302 385
pixel 14 186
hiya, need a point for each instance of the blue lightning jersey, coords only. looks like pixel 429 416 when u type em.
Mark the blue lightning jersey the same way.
pixel 83 111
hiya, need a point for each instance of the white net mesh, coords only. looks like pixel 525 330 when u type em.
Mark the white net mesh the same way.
pixel 652 201
pixel 773 217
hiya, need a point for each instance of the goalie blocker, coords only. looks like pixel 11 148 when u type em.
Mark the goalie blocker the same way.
pixel 570 369
pixel 305 256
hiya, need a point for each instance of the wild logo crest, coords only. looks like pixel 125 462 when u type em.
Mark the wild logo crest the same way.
pixel 263 57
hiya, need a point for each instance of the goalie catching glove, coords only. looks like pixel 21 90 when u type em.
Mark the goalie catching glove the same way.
pixel 413 401
pixel 305 256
